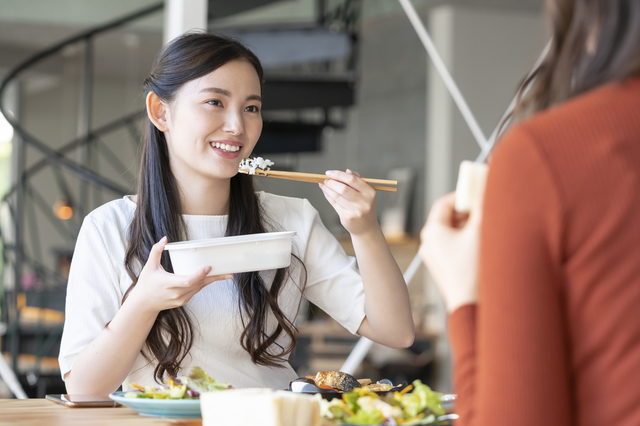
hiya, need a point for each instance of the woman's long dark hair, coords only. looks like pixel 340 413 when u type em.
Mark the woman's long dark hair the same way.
pixel 594 42
pixel 158 213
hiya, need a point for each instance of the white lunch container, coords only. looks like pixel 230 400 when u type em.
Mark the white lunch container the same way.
pixel 230 255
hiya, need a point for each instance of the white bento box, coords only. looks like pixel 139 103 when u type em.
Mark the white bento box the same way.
pixel 230 255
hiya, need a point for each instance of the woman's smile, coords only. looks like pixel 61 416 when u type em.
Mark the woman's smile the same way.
pixel 226 148
pixel 214 122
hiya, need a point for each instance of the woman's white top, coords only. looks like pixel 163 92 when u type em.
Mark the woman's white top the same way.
pixel 98 281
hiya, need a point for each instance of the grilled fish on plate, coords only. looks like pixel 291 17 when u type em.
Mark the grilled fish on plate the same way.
pixel 336 380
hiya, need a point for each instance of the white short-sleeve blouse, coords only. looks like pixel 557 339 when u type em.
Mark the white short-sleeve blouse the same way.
pixel 98 281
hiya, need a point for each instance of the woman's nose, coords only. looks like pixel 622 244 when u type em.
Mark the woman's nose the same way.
pixel 234 123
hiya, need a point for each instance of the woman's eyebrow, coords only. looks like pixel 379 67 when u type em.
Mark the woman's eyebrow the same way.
pixel 228 94
pixel 216 90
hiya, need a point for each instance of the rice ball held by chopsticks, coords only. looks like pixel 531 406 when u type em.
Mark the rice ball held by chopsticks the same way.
pixel 250 165
pixel 260 166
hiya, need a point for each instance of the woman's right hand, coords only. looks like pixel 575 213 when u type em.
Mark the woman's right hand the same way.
pixel 157 289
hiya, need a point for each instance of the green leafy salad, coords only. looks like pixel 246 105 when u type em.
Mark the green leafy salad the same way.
pixel 186 387
pixel 364 407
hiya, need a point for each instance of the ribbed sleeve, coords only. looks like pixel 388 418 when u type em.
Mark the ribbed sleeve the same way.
pixel 555 337
pixel 462 329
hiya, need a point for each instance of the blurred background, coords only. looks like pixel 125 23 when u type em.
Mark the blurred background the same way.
pixel 348 85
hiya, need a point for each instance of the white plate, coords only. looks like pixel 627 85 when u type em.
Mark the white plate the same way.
pixel 160 407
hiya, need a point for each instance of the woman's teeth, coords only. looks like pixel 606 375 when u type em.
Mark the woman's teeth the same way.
pixel 225 147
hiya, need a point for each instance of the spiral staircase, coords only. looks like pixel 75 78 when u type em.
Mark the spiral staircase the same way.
pixel 58 181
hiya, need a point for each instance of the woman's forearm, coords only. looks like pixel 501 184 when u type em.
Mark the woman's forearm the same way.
pixel 388 318
pixel 388 310
pixel 101 367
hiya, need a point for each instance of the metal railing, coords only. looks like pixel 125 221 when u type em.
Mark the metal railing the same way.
pixel 24 201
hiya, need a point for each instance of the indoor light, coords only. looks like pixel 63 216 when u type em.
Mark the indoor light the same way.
pixel 62 208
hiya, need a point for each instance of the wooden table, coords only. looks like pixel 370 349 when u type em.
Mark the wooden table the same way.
pixel 41 412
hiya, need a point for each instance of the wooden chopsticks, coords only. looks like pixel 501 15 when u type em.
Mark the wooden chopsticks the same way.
pixel 312 177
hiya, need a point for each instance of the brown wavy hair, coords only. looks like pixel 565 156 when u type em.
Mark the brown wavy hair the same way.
pixel 594 42
pixel 158 213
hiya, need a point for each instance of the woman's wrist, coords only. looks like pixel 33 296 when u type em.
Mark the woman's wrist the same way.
pixel 370 234
pixel 136 304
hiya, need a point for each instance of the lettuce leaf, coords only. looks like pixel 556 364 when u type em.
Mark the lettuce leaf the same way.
pixel 351 400
pixel 200 381
pixel 365 417
pixel 364 407
pixel 421 399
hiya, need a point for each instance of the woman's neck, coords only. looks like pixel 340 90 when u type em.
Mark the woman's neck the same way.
pixel 210 197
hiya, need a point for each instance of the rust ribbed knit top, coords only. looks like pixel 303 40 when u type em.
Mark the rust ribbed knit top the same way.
pixel 555 336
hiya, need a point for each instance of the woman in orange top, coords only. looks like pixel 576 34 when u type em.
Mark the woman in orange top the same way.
pixel 542 282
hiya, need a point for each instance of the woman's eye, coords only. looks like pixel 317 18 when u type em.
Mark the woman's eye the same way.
pixel 214 102
pixel 252 108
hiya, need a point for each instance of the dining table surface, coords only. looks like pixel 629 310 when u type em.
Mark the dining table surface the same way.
pixel 42 412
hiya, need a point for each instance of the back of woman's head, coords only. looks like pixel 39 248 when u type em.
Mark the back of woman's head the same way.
pixel 594 42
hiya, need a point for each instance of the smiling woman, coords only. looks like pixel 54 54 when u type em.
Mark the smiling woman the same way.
pixel 213 121
pixel 130 319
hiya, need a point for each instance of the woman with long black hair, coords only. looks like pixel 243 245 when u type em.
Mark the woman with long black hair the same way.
pixel 543 282
pixel 130 319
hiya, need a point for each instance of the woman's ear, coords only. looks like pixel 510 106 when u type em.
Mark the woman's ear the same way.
pixel 157 111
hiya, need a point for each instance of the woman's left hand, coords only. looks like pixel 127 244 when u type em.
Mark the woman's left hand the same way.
pixel 353 199
pixel 450 249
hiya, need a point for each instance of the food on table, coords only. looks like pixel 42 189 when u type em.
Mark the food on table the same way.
pixel 264 407
pixel 253 164
pixel 336 380
pixel 186 387
pixel 364 407
pixel 471 179
pixel 343 382
pixel 378 387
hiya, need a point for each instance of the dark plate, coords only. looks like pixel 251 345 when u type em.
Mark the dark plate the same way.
pixel 310 388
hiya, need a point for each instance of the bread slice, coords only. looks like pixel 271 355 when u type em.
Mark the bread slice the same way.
pixel 258 406
pixel 471 180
